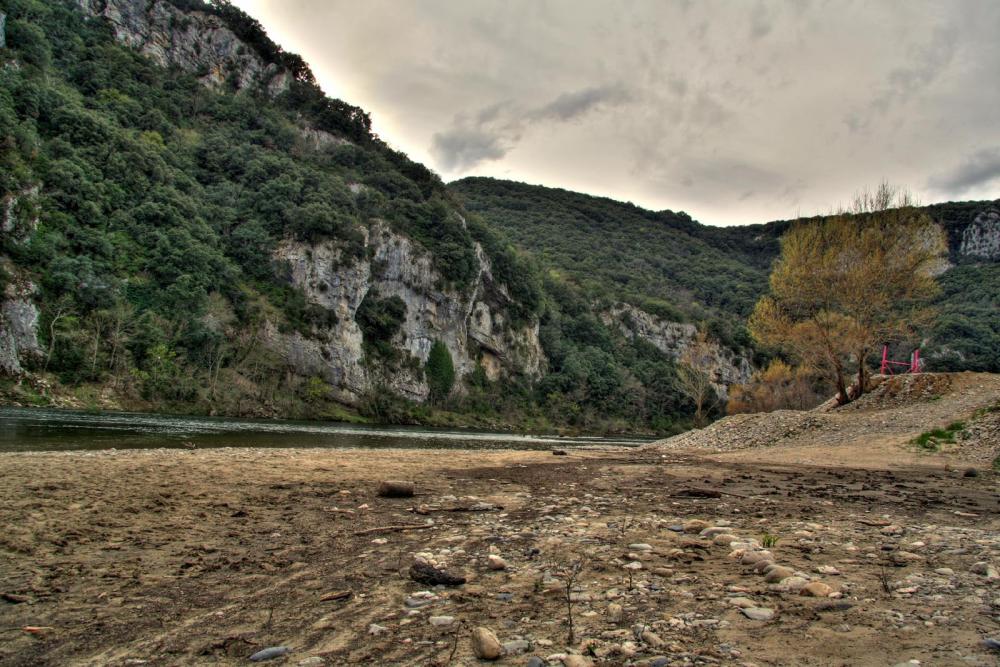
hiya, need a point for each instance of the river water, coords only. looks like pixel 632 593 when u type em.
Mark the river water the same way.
pixel 41 429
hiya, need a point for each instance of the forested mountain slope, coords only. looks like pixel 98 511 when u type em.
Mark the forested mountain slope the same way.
pixel 667 263
pixel 190 224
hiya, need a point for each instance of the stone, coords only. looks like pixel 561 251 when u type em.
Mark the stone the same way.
pixel 615 612
pixel 816 589
pixel 712 531
pixel 311 661
pixel 754 557
pixel 742 602
pixel 695 526
pixel 495 562
pixel 778 573
pixel 641 546
pixel 441 621
pixel 794 583
pixel 724 540
pixel 485 644
pixel 391 488
pixel 828 569
pixel 577 661
pixel 650 638
pixel 270 653
pixel 376 629
pixel 758 613
pixel 535 661
pixel 985 569
pixel 516 647
pixel 425 573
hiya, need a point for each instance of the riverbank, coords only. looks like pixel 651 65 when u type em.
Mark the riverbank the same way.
pixel 204 557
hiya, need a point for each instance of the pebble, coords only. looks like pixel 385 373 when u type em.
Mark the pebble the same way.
pixel 742 602
pixel 695 526
pixel 778 573
pixel 724 540
pixel 535 661
pixel 495 562
pixel 758 613
pixel 516 647
pixel 816 589
pixel 312 661
pixel 485 644
pixel 754 557
pixel 651 638
pixel 441 621
pixel 827 569
pixel 615 613
pixel 270 653
pixel 376 629
pixel 577 661
pixel 794 584
pixel 640 546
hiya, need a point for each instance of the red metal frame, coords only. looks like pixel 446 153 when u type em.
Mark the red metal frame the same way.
pixel 913 366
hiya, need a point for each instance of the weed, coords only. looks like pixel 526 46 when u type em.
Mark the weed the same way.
pixel 768 540
pixel 931 441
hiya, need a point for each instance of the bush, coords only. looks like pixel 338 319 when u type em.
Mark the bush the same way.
pixel 440 371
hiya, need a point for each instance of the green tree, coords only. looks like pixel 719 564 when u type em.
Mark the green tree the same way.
pixel 440 371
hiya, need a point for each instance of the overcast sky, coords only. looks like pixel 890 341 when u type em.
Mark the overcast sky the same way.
pixel 735 111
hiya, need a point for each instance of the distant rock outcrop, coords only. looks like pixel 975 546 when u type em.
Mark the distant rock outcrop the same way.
pixel 981 239
pixel 726 367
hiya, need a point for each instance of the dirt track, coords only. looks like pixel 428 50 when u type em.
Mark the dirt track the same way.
pixel 204 557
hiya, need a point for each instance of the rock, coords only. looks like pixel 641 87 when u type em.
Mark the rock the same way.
pixel 816 589
pixel 742 602
pixel 312 661
pixel 577 661
pixel 441 621
pixel 559 452
pixel 827 569
pixel 754 557
pixel 695 526
pixel 794 584
pixel 516 647
pixel 535 661
pixel 615 613
pixel 485 644
pixel 423 572
pixel 778 573
pixel 764 565
pixel 376 629
pixel 495 562
pixel 641 546
pixel 652 639
pixel 270 653
pixel 395 489
pixel 724 540
pixel 758 613
pixel 712 531
pixel 970 472
pixel 634 565
pixel 985 569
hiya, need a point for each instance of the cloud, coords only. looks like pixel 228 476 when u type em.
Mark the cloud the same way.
pixel 980 168
pixel 490 133
pixel 571 105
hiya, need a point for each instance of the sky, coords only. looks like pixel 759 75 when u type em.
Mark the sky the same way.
pixel 737 111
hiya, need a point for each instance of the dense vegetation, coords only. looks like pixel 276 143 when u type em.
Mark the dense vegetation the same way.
pixel 673 266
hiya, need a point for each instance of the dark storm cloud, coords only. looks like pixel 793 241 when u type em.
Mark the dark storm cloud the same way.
pixel 491 132
pixel 735 111
pixel 980 168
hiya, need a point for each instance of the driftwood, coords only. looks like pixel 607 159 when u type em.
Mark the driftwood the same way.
pixel 391 488
pixel 336 595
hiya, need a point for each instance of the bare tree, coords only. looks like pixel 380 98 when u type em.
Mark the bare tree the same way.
pixel 693 379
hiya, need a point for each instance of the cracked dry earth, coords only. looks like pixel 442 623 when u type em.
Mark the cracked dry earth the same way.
pixel 171 557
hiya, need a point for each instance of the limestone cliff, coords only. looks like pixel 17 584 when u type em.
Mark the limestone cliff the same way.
pixel 724 366
pixel 981 239
pixel 469 322
pixel 190 40
pixel 18 325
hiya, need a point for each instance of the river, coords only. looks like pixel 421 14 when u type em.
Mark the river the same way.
pixel 43 429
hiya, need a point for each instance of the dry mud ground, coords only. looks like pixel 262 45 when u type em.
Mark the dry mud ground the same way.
pixel 171 557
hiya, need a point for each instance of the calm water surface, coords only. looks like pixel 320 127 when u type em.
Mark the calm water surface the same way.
pixel 40 429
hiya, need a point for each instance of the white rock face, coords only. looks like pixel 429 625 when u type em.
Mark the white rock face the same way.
pixel 194 41
pixel 18 328
pixel 725 367
pixel 468 322
pixel 981 239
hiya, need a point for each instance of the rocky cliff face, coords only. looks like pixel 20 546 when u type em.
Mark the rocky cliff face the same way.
pixel 470 322
pixel 18 326
pixel 981 239
pixel 724 366
pixel 193 41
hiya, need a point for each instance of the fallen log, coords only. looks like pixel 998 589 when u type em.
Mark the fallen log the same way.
pixel 394 529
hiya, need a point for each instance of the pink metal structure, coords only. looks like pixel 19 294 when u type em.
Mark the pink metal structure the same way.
pixel 913 366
